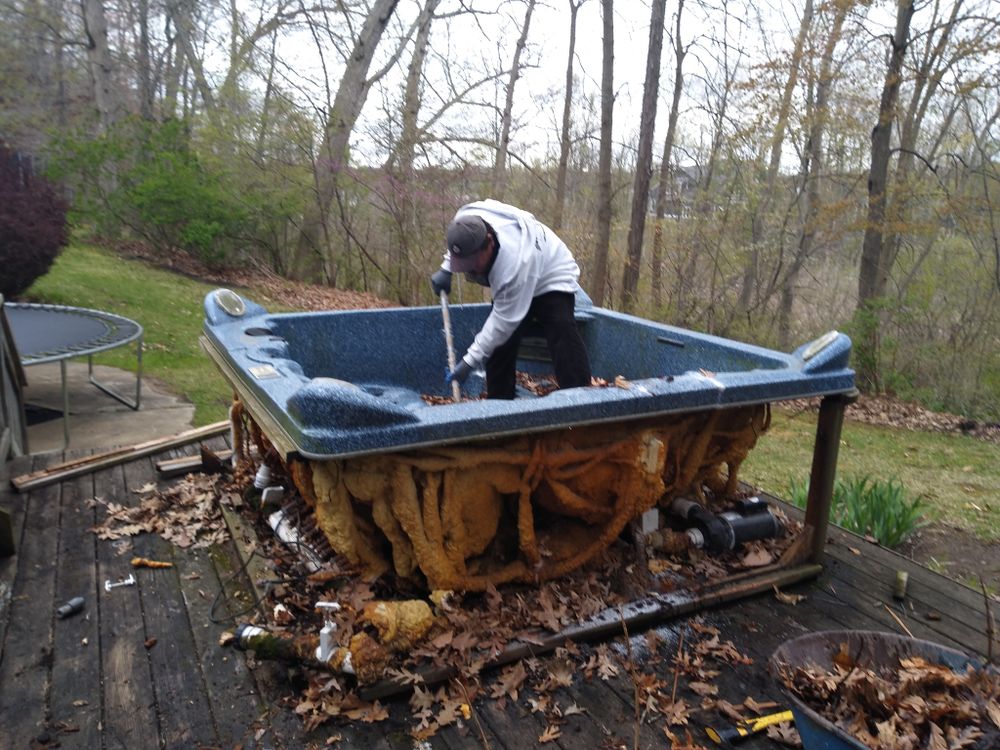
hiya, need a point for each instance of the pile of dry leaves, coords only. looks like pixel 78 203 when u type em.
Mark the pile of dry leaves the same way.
pixel 447 675
pixel 187 513
pixel 909 705
pixel 268 288
pixel 889 411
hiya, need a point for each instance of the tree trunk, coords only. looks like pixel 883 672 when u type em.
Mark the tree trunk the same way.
pixel 928 80
pixel 99 63
pixel 644 159
pixel 145 76
pixel 599 274
pixel 173 72
pixel 564 140
pixel 180 14
pixel 500 166
pixel 760 216
pixel 311 262
pixel 668 145
pixel 405 153
pixel 814 148
pixel 874 273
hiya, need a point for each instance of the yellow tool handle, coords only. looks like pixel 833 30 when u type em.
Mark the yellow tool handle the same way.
pixel 747 727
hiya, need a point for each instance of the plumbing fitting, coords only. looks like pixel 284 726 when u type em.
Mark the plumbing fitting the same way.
pixel 751 519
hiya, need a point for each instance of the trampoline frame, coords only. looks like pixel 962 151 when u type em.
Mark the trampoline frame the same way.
pixel 72 351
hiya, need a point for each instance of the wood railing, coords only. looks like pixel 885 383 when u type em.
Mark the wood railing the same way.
pixel 13 425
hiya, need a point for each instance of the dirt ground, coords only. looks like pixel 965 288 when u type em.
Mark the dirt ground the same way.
pixel 957 554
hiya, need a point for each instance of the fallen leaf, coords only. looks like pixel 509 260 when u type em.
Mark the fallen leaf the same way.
pixel 993 711
pixel 550 734
pixel 784 598
pixel 149 643
pixel 758 558
pixel 703 689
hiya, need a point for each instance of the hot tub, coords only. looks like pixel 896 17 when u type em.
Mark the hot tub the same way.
pixel 344 383
pixel 429 488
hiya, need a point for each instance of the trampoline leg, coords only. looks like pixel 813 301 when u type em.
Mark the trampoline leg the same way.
pixel 65 395
pixel 130 403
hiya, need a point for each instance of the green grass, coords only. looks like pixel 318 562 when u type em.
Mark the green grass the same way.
pixel 957 477
pixel 166 305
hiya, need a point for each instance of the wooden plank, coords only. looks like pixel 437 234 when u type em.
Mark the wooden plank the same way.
pixel 25 670
pixel 858 594
pixel 962 623
pixel 181 697
pixel 843 540
pixel 76 660
pixel 81 466
pixel 947 589
pixel 514 725
pixel 15 505
pixel 130 718
pixel 232 690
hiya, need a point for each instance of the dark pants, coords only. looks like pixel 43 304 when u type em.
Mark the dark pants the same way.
pixel 554 311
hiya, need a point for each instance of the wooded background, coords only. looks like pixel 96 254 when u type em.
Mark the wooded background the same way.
pixel 782 169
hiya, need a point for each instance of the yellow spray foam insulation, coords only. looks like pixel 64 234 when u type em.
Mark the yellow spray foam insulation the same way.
pixel 526 509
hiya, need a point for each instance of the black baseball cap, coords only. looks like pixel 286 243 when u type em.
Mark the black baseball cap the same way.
pixel 466 236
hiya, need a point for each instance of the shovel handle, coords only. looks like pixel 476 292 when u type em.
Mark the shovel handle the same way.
pixel 456 389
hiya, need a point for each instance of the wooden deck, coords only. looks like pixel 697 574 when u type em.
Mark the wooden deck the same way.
pixel 96 680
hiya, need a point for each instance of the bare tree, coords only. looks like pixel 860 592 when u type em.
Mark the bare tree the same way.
pixel 814 168
pixel 680 51
pixel 564 140
pixel 599 274
pixel 500 166
pixel 99 63
pixel 644 157
pixel 874 272
pixel 181 14
pixel 310 259
pixel 405 152
pixel 751 275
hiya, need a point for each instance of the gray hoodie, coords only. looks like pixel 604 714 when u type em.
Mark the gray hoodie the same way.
pixel 532 260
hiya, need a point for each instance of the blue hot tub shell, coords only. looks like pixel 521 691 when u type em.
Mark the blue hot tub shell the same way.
pixel 335 384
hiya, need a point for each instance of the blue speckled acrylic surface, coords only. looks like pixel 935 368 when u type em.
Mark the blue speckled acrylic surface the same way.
pixel 350 382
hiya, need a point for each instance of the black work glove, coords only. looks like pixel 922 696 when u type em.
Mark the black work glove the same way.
pixel 459 374
pixel 441 282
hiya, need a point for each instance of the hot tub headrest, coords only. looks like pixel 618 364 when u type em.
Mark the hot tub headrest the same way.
pixel 335 404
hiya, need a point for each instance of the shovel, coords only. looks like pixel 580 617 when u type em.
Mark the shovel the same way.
pixel 456 390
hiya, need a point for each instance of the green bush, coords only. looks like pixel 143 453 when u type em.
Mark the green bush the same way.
pixel 33 226
pixel 881 509
pixel 147 177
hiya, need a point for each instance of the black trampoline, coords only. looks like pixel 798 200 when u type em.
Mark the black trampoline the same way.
pixel 57 333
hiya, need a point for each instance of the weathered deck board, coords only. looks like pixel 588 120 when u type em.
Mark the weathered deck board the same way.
pixel 26 667
pixel 130 717
pixel 76 656
pixel 183 708
pixel 232 692
pixel 15 504
pixel 187 691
